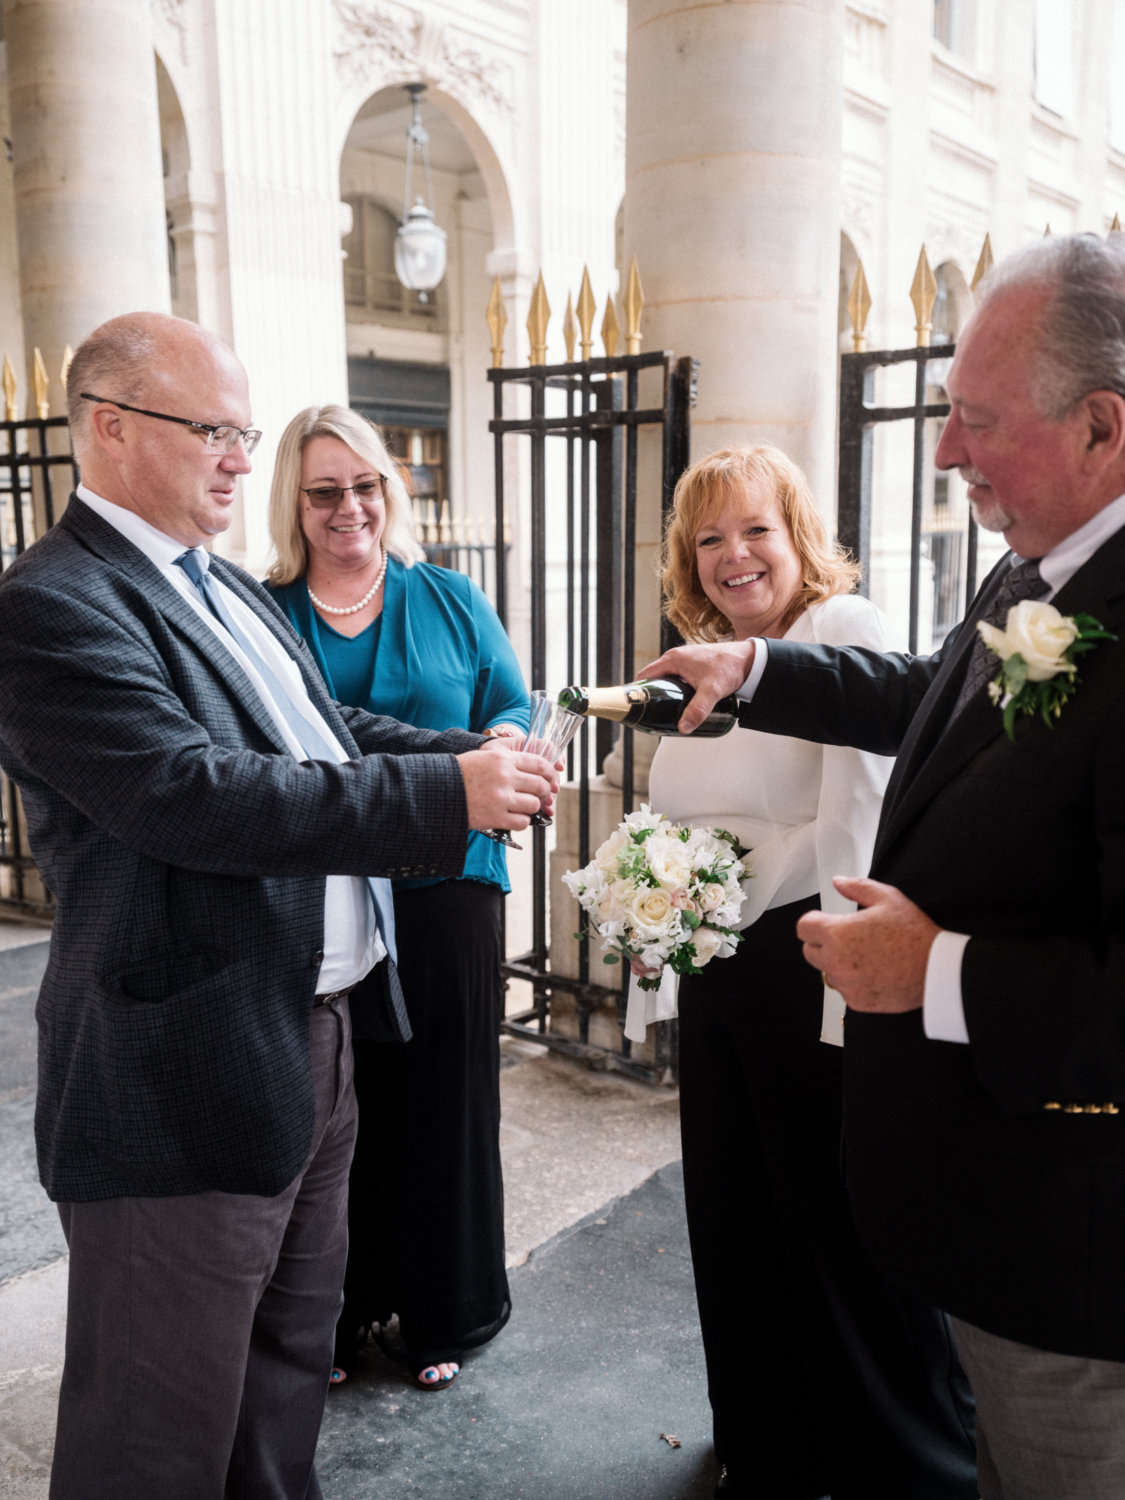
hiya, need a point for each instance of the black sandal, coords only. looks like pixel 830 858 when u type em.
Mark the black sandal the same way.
pixel 442 1384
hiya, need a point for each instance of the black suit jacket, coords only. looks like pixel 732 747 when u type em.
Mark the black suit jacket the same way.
pixel 187 850
pixel 970 1187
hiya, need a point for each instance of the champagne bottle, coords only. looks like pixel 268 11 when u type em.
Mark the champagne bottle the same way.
pixel 653 705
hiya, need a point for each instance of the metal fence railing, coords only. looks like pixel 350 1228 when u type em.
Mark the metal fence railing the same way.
pixel 37 471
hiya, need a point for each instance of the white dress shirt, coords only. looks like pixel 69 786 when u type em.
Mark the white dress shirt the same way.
pixel 808 812
pixel 943 1009
pixel 352 944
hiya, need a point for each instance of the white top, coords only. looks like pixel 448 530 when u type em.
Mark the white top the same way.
pixel 352 944
pixel 808 812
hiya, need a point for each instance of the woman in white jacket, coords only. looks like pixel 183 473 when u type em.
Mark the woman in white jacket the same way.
pixel 823 1377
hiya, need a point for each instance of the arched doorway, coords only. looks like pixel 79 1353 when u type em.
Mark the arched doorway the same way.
pixel 175 155
pixel 416 361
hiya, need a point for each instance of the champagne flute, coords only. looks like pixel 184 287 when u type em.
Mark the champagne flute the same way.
pixel 503 835
pixel 551 731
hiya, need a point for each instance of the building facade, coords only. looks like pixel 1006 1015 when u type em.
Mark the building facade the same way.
pixel 242 163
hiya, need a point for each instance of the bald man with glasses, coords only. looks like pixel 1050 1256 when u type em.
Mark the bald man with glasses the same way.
pixel 219 835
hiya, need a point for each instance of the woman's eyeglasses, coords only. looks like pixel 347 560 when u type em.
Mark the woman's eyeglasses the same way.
pixel 323 496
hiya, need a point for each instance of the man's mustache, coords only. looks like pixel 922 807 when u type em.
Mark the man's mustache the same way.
pixel 971 475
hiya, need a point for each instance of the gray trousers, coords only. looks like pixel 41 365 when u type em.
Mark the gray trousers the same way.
pixel 1049 1426
pixel 200 1329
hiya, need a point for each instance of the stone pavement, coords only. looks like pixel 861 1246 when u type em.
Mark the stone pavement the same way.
pixel 601 1355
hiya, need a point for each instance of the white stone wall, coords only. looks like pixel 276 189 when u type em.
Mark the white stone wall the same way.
pixel 941 146
pixel 257 98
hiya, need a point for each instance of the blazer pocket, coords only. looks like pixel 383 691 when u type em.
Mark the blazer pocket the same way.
pixel 162 977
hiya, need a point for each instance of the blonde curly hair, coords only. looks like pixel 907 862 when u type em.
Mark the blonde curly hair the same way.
pixel 826 569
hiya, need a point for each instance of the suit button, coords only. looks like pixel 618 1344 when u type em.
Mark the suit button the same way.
pixel 1052 1105
pixel 1072 1109
pixel 1092 1109
pixel 1110 1109
pixel 317 959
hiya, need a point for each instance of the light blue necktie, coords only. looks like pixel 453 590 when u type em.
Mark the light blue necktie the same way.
pixel 310 739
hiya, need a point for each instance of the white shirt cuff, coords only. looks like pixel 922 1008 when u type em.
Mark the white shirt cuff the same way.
pixel 761 657
pixel 943 1012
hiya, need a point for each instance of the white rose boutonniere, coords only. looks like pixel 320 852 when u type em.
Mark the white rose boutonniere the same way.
pixel 1038 650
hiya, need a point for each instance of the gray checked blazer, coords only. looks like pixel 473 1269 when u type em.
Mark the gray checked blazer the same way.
pixel 187 850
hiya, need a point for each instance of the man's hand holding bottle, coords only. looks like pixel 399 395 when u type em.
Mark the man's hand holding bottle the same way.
pixel 714 671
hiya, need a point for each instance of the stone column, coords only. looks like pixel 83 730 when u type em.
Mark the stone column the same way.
pixel 732 150
pixel 86 157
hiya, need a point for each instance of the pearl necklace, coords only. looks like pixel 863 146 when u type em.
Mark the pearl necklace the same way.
pixel 355 608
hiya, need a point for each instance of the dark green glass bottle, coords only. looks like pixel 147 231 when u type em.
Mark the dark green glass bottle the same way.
pixel 653 705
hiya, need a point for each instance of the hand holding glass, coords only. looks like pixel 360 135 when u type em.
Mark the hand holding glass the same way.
pixel 551 731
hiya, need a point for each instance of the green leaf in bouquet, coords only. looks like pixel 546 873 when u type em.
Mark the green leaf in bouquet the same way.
pixel 611 958
pixel 580 937
pixel 690 919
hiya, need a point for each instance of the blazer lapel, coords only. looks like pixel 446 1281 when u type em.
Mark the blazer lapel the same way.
pixel 935 750
pixel 116 550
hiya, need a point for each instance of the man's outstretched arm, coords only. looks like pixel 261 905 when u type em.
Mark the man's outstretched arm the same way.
pixel 832 695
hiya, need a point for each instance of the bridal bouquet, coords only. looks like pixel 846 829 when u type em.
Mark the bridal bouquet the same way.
pixel 661 894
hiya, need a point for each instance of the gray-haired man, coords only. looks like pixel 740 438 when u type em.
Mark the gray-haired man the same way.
pixel 985 970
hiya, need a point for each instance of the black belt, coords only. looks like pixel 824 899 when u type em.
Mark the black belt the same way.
pixel 333 995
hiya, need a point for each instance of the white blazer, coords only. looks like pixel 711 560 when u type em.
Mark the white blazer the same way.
pixel 808 812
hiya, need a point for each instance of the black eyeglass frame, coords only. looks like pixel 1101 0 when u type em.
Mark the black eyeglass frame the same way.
pixel 250 436
pixel 338 491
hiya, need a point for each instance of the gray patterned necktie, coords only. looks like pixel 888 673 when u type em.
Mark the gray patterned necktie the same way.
pixel 1022 581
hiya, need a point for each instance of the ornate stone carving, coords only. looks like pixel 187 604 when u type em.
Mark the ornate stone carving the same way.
pixel 402 41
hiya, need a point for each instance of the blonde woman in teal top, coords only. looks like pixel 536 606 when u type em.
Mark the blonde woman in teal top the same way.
pixel 397 636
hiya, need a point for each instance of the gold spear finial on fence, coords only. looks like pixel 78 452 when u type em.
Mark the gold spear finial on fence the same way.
pixel 1115 227
pixel 587 307
pixel 68 356
pixel 497 319
pixel 859 305
pixel 570 329
pixel 633 301
pixel 923 291
pixel 611 329
pixel 984 264
pixel 39 377
pixel 1047 231
pixel 539 315
pixel 10 409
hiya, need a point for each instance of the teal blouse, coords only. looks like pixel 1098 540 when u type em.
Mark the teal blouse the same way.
pixel 437 657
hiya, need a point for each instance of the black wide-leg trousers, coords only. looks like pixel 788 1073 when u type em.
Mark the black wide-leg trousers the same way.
pixel 426 1199
pixel 823 1377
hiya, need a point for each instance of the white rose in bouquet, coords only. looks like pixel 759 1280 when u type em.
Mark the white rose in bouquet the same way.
pixel 652 912
pixel 669 861
pixel 712 896
pixel 707 943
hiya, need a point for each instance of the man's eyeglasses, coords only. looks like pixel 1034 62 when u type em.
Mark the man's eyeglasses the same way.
pixel 324 496
pixel 220 439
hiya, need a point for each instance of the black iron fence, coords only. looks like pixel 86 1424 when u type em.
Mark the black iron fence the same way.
pixel 949 547
pixel 37 471
pixel 592 409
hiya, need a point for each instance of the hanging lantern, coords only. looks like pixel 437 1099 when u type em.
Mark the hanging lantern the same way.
pixel 419 243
